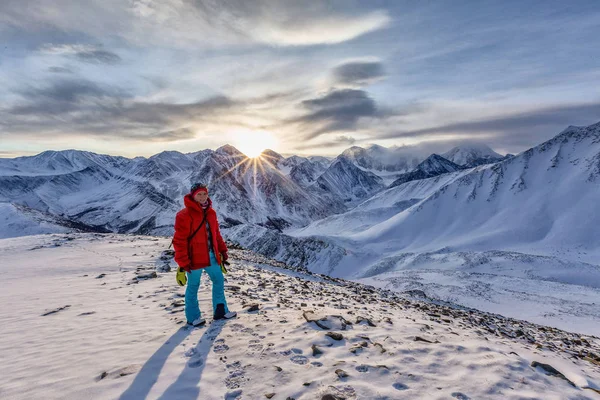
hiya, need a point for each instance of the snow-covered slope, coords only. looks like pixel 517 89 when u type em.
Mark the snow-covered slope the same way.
pixel 434 165
pixel 306 172
pixel 473 154
pixel 545 200
pixel 98 320
pixel 346 182
pixel 377 208
pixel 15 218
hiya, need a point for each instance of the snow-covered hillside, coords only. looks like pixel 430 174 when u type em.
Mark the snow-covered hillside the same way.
pixel 99 320
pixel 544 200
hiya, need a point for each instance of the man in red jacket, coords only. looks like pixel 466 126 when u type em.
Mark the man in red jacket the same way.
pixel 199 247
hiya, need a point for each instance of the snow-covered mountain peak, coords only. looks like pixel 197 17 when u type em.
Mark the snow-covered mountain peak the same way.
pixel 433 165
pixel 170 155
pixel 469 153
pixel 578 133
pixel 379 159
pixel 436 164
pixel 229 150
pixel 272 156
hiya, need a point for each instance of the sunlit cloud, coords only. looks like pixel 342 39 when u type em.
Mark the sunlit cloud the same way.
pixel 319 76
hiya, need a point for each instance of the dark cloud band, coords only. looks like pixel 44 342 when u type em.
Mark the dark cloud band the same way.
pixel 358 74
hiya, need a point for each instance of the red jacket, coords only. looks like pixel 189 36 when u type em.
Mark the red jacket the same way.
pixel 194 255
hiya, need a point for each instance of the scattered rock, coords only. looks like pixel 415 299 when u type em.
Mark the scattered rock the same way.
pixel 327 322
pixel 87 313
pixel 56 310
pixel 381 348
pixel 341 373
pixel 316 351
pixel 120 372
pixel 332 397
pixel 357 348
pixel 178 303
pixel 550 370
pixel 360 319
pixel 150 275
pixel 335 335
pixel 253 308
pixel 100 276
pixel 420 339
pixel 269 395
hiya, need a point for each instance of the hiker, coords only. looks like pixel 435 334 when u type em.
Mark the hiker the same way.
pixel 199 247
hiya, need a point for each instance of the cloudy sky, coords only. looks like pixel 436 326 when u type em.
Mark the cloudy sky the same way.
pixel 136 77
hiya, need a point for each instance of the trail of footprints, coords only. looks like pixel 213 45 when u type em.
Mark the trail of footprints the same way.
pixel 273 290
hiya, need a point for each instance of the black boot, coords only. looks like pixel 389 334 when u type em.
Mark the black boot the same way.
pixel 219 312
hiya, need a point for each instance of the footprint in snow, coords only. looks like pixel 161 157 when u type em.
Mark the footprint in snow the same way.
pixel 195 362
pixel 400 386
pixel 234 394
pixel 300 360
pixel 190 352
pixel 220 347
pixel 236 376
pixel 362 368
pixel 460 396
pixel 255 345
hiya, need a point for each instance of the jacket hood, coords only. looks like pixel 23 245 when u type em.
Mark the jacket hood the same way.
pixel 191 205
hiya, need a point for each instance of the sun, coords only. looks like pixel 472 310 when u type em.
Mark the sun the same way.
pixel 252 143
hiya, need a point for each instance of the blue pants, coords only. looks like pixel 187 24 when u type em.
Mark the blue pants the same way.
pixel 192 310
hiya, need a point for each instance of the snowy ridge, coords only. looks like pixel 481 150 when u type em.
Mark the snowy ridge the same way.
pixel 297 335
pixel 434 165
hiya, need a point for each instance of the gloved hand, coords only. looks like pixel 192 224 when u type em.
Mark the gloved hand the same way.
pixel 224 256
pixel 181 277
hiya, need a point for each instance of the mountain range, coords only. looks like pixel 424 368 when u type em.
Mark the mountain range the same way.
pixel 343 216
pixel 116 194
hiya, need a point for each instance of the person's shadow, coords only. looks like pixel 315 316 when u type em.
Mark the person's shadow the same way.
pixel 185 387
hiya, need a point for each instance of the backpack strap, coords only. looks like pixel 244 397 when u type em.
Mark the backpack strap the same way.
pixel 193 234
